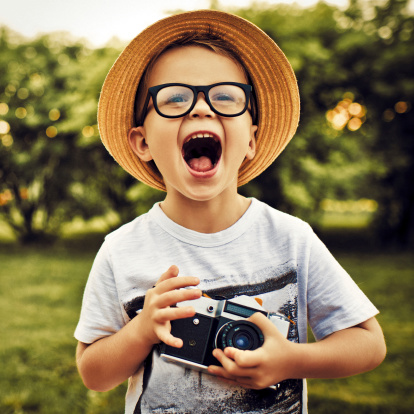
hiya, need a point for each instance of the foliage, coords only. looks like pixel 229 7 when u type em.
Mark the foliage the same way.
pixel 35 170
pixel 43 110
pixel 355 72
pixel 53 166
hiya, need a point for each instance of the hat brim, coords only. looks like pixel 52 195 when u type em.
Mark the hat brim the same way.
pixel 273 80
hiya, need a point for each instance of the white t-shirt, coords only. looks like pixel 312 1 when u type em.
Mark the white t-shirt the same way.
pixel 265 254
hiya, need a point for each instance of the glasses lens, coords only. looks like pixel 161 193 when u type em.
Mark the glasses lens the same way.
pixel 174 100
pixel 228 99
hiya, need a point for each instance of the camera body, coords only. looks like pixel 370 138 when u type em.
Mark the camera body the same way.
pixel 217 324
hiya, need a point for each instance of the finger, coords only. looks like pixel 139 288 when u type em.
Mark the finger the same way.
pixel 244 359
pixel 176 283
pixel 265 325
pixel 230 366
pixel 168 339
pixel 170 273
pixel 171 314
pixel 229 378
pixel 175 296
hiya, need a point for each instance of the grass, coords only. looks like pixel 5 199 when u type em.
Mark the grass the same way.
pixel 40 298
pixel 41 293
pixel 387 278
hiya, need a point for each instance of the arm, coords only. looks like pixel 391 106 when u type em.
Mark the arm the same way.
pixel 341 354
pixel 109 361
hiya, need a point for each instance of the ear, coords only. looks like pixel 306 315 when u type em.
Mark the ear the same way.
pixel 251 151
pixel 138 144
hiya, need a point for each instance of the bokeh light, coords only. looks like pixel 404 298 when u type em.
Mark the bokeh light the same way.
pixel 23 93
pixel 347 113
pixel 363 205
pixel 4 108
pixel 401 107
pixel 51 131
pixel 5 197
pixel 354 124
pixel 7 140
pixel 388 115
pixel 21 112
pixel 4 127
pixel 54 114
pixel 88 131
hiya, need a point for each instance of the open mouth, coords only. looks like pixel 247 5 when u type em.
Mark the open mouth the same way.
pixel 202 151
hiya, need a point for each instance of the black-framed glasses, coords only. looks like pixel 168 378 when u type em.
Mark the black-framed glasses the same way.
pixel 174 100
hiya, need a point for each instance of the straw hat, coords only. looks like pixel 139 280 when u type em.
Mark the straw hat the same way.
pixel 273 80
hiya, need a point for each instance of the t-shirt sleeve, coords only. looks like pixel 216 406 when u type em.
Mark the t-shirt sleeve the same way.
pixel 101 314
pixel 335 301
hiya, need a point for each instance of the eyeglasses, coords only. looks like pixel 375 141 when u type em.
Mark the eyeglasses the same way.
pixel 174 100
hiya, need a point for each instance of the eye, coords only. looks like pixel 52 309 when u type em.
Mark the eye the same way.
pixel 176 99
pixel 228 96
pixel 223 97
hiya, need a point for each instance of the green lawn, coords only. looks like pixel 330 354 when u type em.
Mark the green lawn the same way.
pixel 41 291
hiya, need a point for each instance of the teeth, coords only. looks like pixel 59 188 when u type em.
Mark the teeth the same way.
pixel 203 135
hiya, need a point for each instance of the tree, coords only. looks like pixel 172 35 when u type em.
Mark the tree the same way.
pixel 36 133
pixel 53 166
pixel 385 77
pixel 321 161
pixel 355 72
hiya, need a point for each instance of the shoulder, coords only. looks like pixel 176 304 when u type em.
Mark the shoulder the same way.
pixel 270 216
pixel 136 231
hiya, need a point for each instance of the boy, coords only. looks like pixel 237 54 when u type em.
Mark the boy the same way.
pixel 196 105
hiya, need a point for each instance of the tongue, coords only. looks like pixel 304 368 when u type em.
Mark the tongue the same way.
pixel 201 164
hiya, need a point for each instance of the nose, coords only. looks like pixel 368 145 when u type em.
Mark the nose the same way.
pixel 201 108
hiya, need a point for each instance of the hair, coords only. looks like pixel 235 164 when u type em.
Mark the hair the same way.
pixel 207 40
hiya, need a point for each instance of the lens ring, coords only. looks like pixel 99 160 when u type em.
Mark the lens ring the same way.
pixel 239 334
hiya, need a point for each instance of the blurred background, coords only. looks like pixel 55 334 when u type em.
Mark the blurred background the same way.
pixel 348 172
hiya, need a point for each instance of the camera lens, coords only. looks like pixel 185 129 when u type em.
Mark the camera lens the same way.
pixel 241 334
pixel 242 340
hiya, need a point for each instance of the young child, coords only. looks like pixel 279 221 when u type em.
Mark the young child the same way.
pixel 196 105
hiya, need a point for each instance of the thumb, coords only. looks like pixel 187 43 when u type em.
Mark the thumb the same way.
pixel 265 325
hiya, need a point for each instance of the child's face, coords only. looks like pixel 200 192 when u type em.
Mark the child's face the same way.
pixel 165 140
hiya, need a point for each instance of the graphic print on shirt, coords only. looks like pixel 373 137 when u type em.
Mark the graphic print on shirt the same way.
pixel 174 389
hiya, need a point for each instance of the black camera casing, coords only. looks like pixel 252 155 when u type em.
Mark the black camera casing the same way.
pixel 217 324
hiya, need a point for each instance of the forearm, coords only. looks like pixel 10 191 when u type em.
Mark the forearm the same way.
pixel 110 361
pixel 342 354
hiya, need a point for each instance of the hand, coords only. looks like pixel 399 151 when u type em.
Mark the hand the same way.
pixel 158 311
pixel 265 366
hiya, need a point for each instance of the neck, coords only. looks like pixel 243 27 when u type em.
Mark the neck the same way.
pixel 209 216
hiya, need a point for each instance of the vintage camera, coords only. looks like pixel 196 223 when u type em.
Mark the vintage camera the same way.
pixel 217 324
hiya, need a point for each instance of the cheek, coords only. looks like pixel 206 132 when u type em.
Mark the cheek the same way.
pixel 241 133
pixel 162 138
